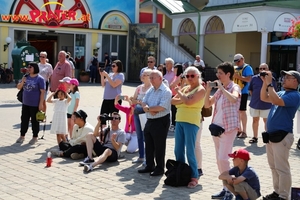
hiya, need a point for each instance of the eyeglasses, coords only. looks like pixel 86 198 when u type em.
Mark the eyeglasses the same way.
pixel 192 76
pixel 288 77
pixel 42 57
pixel 116 118
pixel 262 68
pixel 113 66
pixel 237 60
pixel 149 61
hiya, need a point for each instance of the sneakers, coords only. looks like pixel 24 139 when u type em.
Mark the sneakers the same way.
pixel 20 140
pixel 200 173
pixel 87 168
pixel 138 160
pixel 56 153
pixel 172 128
pixel 33 141
pixel 273 195
pixel 86 161
pixel 228 196
pixel 219 195
pixel 77 156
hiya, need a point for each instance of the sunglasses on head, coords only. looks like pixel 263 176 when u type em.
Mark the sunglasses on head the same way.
pixel 192 76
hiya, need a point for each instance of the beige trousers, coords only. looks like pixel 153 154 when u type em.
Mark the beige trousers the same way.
pixel 278 155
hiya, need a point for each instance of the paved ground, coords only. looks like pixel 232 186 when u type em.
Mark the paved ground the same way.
pixel 23 174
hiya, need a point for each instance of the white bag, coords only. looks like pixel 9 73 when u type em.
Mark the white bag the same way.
pixel 143 120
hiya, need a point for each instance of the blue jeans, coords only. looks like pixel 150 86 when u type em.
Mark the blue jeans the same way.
pixel 185 137
pixel 93 73
pixel 139 131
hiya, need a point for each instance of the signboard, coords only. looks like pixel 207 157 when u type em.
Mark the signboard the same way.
pixel 244 23
pixel 283 22
pixel 115 21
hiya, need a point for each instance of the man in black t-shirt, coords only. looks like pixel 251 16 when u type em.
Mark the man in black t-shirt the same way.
pixel 106 62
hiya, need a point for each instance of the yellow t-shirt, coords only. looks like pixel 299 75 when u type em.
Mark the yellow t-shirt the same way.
pixel 190 113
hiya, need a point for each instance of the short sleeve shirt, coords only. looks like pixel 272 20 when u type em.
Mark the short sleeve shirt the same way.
pixel 111 92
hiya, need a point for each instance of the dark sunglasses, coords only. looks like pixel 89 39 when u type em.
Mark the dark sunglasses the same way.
pixel 238 60
pixel 262 68
pixel 150 61
pixel 188 76
pixel 113 65
pixel 116 118
pixel 42 57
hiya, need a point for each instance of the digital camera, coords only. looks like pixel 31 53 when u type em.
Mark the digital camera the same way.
pixel 104 117
pixel 263 74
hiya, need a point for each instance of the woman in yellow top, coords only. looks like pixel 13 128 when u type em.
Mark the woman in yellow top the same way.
pixel 189 101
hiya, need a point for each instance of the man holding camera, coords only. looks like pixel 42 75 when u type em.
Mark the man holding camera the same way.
pixel 157 106
pixel 258 108
pixel 279 137
pixel 109 144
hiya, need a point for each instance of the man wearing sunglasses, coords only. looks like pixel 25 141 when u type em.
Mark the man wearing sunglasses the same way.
pixel 151 64
pixel 258 108
pixel 108 147
pixel 242 77
pixel 280 130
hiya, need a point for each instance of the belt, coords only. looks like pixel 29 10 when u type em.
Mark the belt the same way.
pixel 153 119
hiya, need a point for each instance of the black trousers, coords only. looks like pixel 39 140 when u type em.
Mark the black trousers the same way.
pixel 155 132
pixel 174 111
pixel 29 112
pixel 68 149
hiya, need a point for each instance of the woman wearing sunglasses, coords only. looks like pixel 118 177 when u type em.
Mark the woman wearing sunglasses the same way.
pixel 33 85
pixel 189 100
pixel 226 101
pixel 112 84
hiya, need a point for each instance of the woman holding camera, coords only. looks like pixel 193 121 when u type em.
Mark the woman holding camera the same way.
pixel 226 102
pixel 112 84
pixel 189 100
pixel 33 86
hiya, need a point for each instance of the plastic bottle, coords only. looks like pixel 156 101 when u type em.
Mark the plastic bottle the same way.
pixel 49 159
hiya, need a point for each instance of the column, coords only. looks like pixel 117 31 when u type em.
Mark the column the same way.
pixel 201 47
pixel 154 14
pixel 263 47
pixel 176 40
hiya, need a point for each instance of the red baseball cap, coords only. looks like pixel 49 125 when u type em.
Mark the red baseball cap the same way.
pixel 241 153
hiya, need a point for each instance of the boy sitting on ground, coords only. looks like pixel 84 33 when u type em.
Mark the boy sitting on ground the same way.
pixel 241 180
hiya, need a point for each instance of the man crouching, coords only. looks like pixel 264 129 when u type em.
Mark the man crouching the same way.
pixel 107 147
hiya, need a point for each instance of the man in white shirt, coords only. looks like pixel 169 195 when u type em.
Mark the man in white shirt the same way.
pixel 198 62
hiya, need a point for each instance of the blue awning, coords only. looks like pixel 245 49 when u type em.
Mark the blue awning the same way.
pixel 286 42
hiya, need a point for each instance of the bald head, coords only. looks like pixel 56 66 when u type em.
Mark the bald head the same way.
pixel 264 66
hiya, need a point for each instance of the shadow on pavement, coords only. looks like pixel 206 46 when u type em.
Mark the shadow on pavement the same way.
pixel 15 148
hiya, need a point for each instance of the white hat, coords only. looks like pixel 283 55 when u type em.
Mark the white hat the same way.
pixel 65 80
pixel 237 57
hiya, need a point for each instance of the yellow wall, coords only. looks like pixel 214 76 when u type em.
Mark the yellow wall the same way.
pixel 3 36
pixel 222 45
pixel 167 27
pixel 94 41
pixel 189 41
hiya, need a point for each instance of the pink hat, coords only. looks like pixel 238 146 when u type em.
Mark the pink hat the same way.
pixel 74 81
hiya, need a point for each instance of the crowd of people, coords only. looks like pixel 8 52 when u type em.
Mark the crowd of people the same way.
pixel 170 98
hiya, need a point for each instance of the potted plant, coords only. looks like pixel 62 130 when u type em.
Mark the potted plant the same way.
pixel 84 76
pixel 294 30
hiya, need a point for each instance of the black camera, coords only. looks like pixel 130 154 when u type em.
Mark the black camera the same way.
pixel 101 69
pixel 104 117
pixel 263 74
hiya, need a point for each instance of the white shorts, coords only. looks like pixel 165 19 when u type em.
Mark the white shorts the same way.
pixel 259 113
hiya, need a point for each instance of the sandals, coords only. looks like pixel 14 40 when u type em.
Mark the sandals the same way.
pixel 20 140
pixel 193 183
pixel 253 140
pixel 242 135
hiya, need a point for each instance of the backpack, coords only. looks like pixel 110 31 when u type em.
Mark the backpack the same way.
pixel 178 173
pixel 95 61
pixel 240 72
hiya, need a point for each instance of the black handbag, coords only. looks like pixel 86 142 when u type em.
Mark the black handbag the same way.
pixel 20 95
pixel 277 136
pixel 216 130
